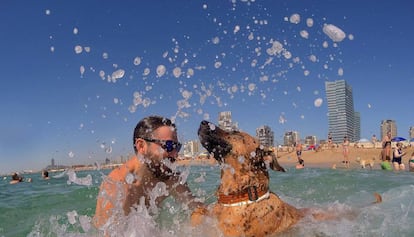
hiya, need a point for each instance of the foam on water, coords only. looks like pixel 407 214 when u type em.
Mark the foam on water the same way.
pixel 72 178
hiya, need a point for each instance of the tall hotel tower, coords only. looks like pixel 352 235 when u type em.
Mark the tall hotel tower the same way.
pixel 342 119
pixel 388 125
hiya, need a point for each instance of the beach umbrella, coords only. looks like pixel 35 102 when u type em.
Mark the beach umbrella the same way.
pixel 398 139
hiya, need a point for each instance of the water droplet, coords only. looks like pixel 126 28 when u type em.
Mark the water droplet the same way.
pixel 294 18
pixel 137 61
pixel 78 49
pixel 309 22
pixel 318 102
pixel 161 70
pixel 333 32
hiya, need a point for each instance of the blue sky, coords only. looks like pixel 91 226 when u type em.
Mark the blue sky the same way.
pixel 71 70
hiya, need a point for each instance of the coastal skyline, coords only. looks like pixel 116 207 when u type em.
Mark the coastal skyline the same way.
pixel 78 75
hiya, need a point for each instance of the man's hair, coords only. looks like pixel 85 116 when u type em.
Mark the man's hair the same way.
pixel 148 125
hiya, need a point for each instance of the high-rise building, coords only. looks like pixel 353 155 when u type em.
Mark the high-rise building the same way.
pixel 357 127
pixel 225 122
pixel 191 148
pixel 265 135
pixel 290 138
pixel 388 125
pixel 341 115
pixel 310 140
pixel 411 133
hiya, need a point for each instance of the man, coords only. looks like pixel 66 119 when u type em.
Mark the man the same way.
pixel 329 140
pixel 147 178
pixel 301 162
pixel 386 147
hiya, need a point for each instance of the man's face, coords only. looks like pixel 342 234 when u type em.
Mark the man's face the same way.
pixel 159 159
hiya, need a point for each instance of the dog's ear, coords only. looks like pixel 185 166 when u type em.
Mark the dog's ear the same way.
pixel 269 158
pixel 274 164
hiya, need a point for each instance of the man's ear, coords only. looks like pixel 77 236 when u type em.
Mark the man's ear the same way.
pixel 140 145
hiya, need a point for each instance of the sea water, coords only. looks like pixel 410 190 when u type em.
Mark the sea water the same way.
pixel 64 206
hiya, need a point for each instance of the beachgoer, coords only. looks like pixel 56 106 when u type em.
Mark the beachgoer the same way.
pixel 374 139
pixel 301 162
pixel 386 157
pixel 329 140
pixel 397 157
pixel 140 179
pixel 385 154
pixel 345 146
pixel 16 178
pixel 386 147
pixel 45 174
pixel 411 163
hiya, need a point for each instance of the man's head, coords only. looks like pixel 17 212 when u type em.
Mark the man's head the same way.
pixel 155 138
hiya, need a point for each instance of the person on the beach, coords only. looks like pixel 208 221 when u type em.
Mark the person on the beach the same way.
pixel 386 157
pixel 329 140
pixel 397 157
pixel 411 163
pixel 345 146
pixel 385 153
pixel 301 162
pixel 374 139
pixel 386 147
pixel 138 183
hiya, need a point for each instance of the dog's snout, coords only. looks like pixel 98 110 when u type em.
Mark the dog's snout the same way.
pixel 211 138
pixel 204 123
pixel 204 127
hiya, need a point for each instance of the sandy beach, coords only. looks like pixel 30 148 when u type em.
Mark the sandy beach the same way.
pixel 328 157
pixel 325 158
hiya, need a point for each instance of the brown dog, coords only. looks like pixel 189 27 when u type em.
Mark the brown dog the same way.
pixel 245 206
pixel 366 162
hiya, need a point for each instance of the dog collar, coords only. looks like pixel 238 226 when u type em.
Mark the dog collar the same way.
pixel 250 195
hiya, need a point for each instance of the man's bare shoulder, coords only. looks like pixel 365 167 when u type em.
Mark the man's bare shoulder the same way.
pixel 131 166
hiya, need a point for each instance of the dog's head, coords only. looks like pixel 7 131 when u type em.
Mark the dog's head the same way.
pixel 236 147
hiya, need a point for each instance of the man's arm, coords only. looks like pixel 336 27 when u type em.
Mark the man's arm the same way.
pixel 182 193
pixel 111 192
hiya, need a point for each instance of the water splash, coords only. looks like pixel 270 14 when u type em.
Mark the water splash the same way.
pixel 72 178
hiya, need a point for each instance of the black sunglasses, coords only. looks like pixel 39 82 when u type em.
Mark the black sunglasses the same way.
pixel 167 145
